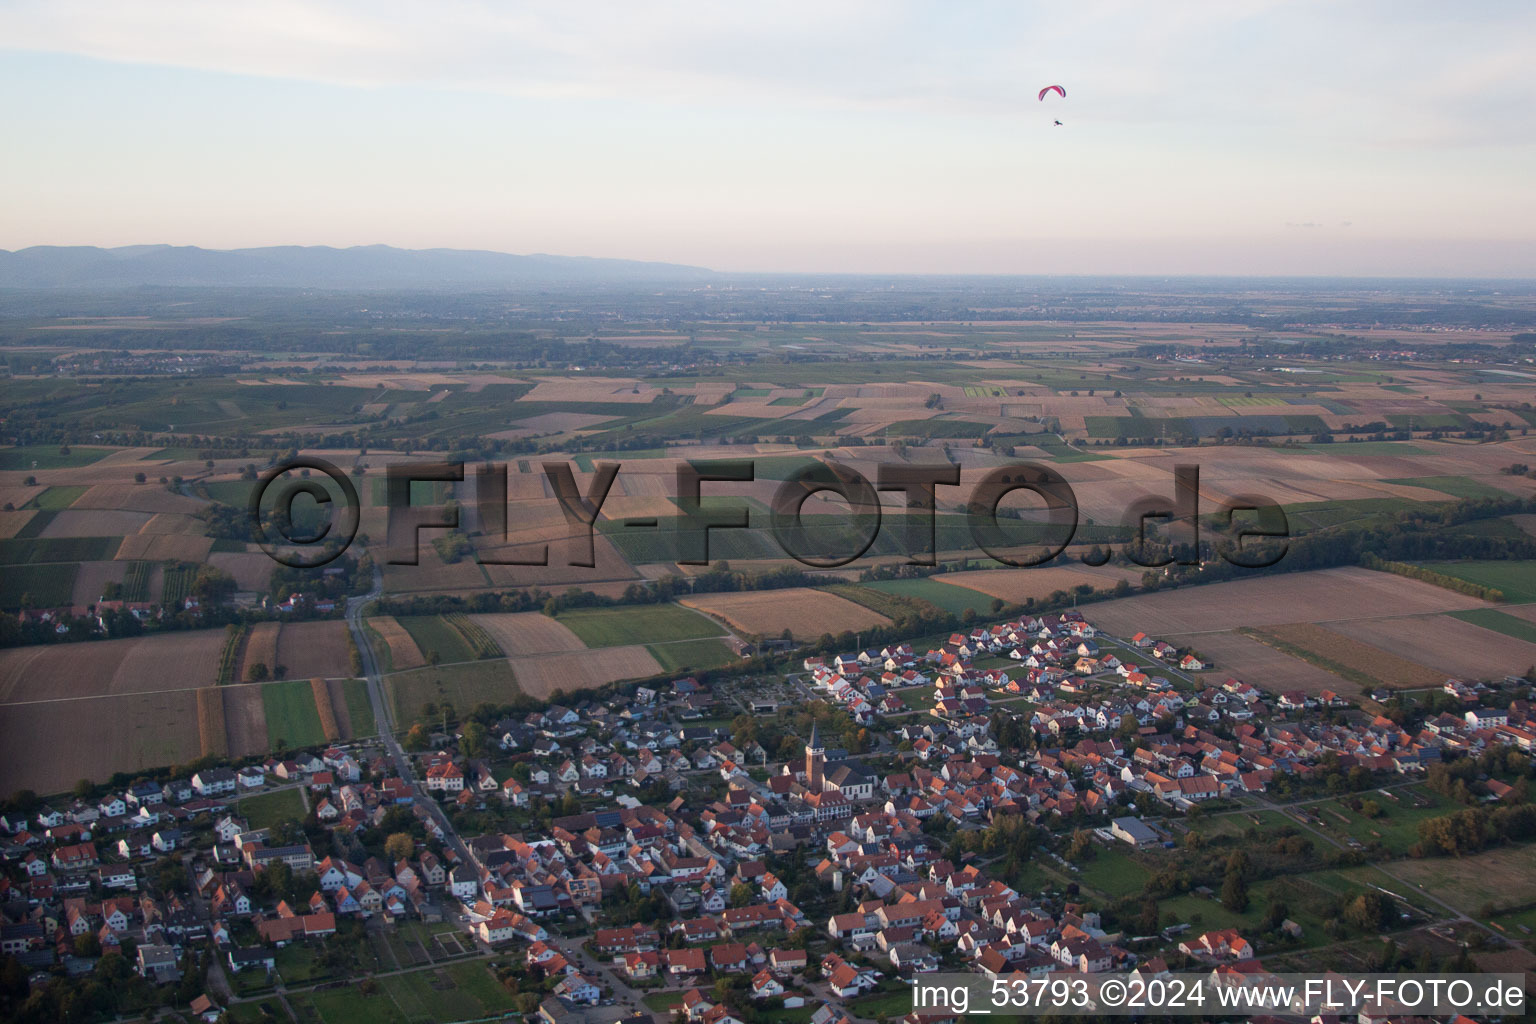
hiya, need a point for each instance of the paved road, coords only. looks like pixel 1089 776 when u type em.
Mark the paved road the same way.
pixel 383 716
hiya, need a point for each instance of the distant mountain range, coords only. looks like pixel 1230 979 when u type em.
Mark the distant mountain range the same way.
pixel 318 266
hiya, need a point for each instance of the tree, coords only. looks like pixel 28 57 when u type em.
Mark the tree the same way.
pixel 472 742
pixel 399 846
pixel 741 894
pixel 418 738
pixel 258 672
pixel 1234 893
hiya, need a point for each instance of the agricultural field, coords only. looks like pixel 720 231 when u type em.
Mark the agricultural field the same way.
pixel 1326 595
pixel 806 613
pixel 1235 655
pixel 97 736
pixel 397 650
pixel 463 685
pixel 1016 585
pixel 643 624
pixel 1516 579
pixel 171 661
pixel 953 598
pixel 521 633
pixel 1355 660
pixel 291 716
pixel 1499 622
pixel 435 635
pixel 1448 644
pixel 572 671
pixel 685 655
pixel 319 648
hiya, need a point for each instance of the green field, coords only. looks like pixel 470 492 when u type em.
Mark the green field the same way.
pixel 19 550
pixel 42 456
pixel 1516 579
pixel 691 654
pixel 893 606
pixel 638 624
pixel 44 586
pixel 1363 448
pixel 267 809
pixel 432 633
pixel 56 499
pixel 1499 622
pixel 952 599
pixel 1455 486
pixel 1398 826
pixel 1114 873
pixel 359 708
pixel 291 714
pixel 463 686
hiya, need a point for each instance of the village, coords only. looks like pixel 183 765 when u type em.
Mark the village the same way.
pixel 626 857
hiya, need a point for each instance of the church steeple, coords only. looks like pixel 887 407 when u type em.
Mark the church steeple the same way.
pixel 815 761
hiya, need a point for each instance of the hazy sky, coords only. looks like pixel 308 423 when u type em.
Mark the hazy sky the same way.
pixel 1391 138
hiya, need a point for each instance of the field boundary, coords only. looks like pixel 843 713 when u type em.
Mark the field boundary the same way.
pixel 1423 575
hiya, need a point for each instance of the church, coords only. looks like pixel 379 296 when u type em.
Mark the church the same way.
pixel 819 775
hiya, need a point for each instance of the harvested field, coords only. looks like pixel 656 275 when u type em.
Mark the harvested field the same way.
pixel 13 521
pixel 1232 654
pixel 165 547
pixel 328 721
pixel 525 633
pixel 1327 595
pixel 309 649
pixel 132 497
pixel 252 570
pixel 1449 645
pixel 1335 649
pixel 94 523
pixel 106 735
pixel 260 649
pixel 401 651
pixel 581 670
pixel 171 522
pixel 212 730
pixel 804 612
pixel 170 661
pixel 1014 585
pixel 245 719
pixel 92 578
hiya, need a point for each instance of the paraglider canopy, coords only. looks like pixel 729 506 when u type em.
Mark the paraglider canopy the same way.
pixel 1058 90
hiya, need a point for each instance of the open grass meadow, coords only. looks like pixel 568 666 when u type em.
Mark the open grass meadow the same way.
pixel 291 714
pixel 689 655
pixel 639 624
pixel 267 809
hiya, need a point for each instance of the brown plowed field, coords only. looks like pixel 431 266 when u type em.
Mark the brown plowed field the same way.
pixel 805 613
pixel 314 649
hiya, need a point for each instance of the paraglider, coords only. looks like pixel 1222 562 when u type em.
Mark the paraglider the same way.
pixel 1059 91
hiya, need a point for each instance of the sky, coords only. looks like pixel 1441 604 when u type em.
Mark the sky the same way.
pixel 1390 139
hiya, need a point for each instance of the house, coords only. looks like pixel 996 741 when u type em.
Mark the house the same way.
pixel 766 986
pixel 254 957
pixel 158 964
pixel 214 782
pixel 1133 831
pixel 1225 944
pixel 578 988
